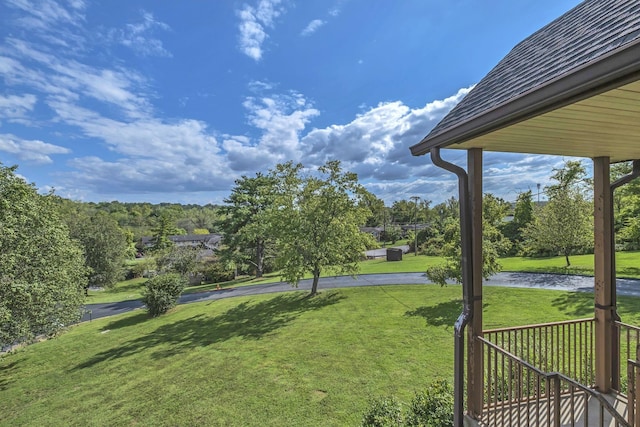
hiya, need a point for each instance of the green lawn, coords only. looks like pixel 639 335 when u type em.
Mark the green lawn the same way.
pixel 269 360
pixel 628 266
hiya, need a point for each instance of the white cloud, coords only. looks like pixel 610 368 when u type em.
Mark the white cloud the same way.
pixel 281 119
pixel 16 106
pixel 67 78
pixel 376 143
pixel 52 21
pixel 254 22
pixel 312 27
pixel 138 36
pixel 32 151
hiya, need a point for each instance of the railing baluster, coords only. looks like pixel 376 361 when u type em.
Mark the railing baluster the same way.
pixel 520 376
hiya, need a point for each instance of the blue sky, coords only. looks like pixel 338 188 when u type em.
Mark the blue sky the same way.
pixel 171 101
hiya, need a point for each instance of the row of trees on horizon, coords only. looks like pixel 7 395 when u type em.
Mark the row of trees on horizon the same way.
pixel 51 247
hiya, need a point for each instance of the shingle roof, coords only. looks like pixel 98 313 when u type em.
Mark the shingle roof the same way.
pixel 584 34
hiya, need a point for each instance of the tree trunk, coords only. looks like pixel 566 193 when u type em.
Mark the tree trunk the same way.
pixel 259 259
pixel 314 286
pixel 566 257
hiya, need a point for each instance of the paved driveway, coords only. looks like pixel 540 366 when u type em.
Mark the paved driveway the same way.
pixel 629 287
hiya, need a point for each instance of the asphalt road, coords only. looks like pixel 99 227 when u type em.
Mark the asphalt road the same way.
pixel 629 287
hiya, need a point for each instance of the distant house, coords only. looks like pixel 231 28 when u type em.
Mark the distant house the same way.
pixel 376 232
pixel 201 241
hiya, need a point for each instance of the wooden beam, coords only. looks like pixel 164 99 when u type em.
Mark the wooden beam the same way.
pixel 603 272
pixel 475 372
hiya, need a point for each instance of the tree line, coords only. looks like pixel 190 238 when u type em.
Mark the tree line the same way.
pixel 291 219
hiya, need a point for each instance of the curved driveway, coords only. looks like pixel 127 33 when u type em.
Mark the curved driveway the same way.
pixel 629 287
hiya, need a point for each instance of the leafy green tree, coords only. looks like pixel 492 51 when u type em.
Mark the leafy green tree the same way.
pixel 105 247
pixel 316 221
pixel 245 225
pixel 178 259
pixel 522 216
pixel 376 207
pixel 494 244
pixel 42 273
pixel 565 224
pixel 162 230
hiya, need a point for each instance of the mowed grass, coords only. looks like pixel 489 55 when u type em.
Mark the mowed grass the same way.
pixel 132 289
pixel 268 360
pixel 627 264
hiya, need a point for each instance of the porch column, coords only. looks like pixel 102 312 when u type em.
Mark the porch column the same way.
pixel 603 272
pixel 475 356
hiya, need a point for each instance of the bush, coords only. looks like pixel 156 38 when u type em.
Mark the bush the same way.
pixel 433 407
pixel 162 292
pixel 214 272
pixel 383 412
pixel 142 267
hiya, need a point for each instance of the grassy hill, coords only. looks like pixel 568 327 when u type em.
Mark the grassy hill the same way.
pixel 274 360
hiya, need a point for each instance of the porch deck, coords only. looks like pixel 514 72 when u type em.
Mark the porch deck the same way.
pixel 574 411
pixel 543 375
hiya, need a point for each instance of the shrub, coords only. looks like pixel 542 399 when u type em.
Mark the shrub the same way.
pixel 162 292
pixel 215 272
pixel 142 267
pixel 383 412
pixel 433 407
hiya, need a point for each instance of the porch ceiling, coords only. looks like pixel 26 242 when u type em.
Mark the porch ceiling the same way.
pixel 607 124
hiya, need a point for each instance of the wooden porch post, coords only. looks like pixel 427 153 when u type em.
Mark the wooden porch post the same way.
pixel 475 363
pixel 603 272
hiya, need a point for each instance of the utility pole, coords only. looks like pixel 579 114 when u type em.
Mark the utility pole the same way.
pixel 415 223
pixel 538 194
pixel 384 226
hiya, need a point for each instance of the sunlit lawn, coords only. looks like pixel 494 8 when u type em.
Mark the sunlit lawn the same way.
pixel 627 263
pixel 268 360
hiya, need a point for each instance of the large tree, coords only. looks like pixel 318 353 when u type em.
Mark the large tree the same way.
pixel 316 220
pixel 494 244
pixel 522 216
pixel 104 243
pixel 42 273
pixel 245 225
pixel 565 224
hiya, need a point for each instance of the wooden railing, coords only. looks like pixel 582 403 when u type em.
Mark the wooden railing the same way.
pixel 518 393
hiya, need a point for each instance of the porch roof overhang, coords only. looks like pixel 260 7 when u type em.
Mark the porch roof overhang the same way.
pixel 533 103
pixel 592 113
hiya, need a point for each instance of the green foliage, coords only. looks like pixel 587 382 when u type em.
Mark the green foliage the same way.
pixel 370 242
pixel 383 412
pixel 214 271
pixel 494 244
pixel 143 267
pixel 105 246
pixel 200 231
pixel 42 273
pixel 392 233
pixel 316 221
pixel 245 224
pixel 522 216
pixel 432 407
pixel 178 259
pixel 565 224
pixel 161 293
pixel 164 227
pixel 376 207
